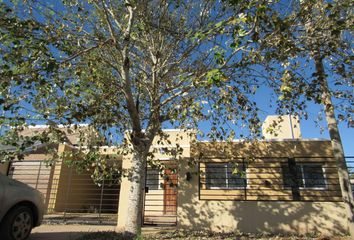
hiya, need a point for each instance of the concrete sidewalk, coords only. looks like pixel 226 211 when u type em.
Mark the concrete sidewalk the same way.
pixel 73 231
pixel 65 232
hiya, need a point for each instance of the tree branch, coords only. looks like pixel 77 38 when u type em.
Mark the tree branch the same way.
pixel 133 113
pixel 86 50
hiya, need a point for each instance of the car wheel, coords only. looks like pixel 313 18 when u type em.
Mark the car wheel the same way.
pixel 17 224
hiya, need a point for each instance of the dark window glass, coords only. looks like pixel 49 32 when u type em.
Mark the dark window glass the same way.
pixel 215 175
pixel 152 179
pixel 236 176
pixel 222 175
pixel 313 176
pixel 289 180
pixel 307 175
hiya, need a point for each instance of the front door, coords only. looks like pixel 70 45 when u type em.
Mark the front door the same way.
pixel 170 193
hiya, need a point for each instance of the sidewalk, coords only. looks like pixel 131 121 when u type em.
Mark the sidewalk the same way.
pixel 73 231
pixel 65 232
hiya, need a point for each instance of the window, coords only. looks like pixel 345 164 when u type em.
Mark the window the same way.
pixel 288 179
pixel 152 179
pixel 307 175
pixel 220 175
pixel 313 176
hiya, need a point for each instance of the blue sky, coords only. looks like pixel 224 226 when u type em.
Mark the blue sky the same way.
pixel 308 127
pixel 310 130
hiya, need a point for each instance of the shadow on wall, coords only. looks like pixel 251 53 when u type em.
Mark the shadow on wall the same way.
pixel 288 217
pixel 260 216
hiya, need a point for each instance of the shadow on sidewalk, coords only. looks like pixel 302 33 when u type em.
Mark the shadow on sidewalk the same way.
pixel 55 235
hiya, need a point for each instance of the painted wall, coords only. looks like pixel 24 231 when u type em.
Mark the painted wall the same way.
pixel 123 197
pixel 174 137
pixel 256 216
pixel 265 181
pixel 281 127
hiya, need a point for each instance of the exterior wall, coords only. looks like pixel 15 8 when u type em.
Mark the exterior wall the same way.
pixel 266 149
pixel 72 134
pixel 281 127
pixel 318 210
pixel 227 214
pixel 257 216
pixel 183 139
pixel 124 196
pixel 265 182
pixel 56 179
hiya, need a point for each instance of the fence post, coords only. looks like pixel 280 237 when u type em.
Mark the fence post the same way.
pixel 67 192
pixel 245 178
pixel 101 200
pixel 39 172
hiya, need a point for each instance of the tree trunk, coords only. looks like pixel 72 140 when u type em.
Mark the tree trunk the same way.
pixel 135 206
pixel 337 146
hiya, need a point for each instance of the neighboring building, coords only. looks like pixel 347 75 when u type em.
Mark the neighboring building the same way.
pixel 282 183
pixel 281 127
pixel 65 189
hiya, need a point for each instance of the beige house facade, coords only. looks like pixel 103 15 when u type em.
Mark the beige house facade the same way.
pixel 283 184
pixel 265 203
pixel 280 184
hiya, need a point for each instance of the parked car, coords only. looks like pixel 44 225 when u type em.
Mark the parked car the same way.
pixel 21 209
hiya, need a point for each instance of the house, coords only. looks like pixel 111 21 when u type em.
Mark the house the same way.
pixel 282 183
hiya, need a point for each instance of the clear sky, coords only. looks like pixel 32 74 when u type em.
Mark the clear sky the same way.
pixel 308 127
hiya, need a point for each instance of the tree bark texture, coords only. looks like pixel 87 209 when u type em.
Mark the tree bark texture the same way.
pixel 136 193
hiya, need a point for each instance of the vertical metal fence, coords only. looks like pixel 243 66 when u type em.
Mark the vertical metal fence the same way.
pixel 271 179
pixel 75 198
pixel 350 165
pixel 160 199
pixel 70 196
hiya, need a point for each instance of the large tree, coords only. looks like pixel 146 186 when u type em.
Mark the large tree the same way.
pixel 124 65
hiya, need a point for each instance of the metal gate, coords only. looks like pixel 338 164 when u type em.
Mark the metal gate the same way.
pixel 160 199
pixel 70 196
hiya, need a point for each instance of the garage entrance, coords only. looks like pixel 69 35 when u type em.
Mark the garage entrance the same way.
pixel 69 196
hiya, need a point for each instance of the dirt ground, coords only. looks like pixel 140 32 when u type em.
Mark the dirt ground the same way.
pixel 104 232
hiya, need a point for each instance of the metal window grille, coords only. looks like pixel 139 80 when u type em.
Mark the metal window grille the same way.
pixel 272 179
